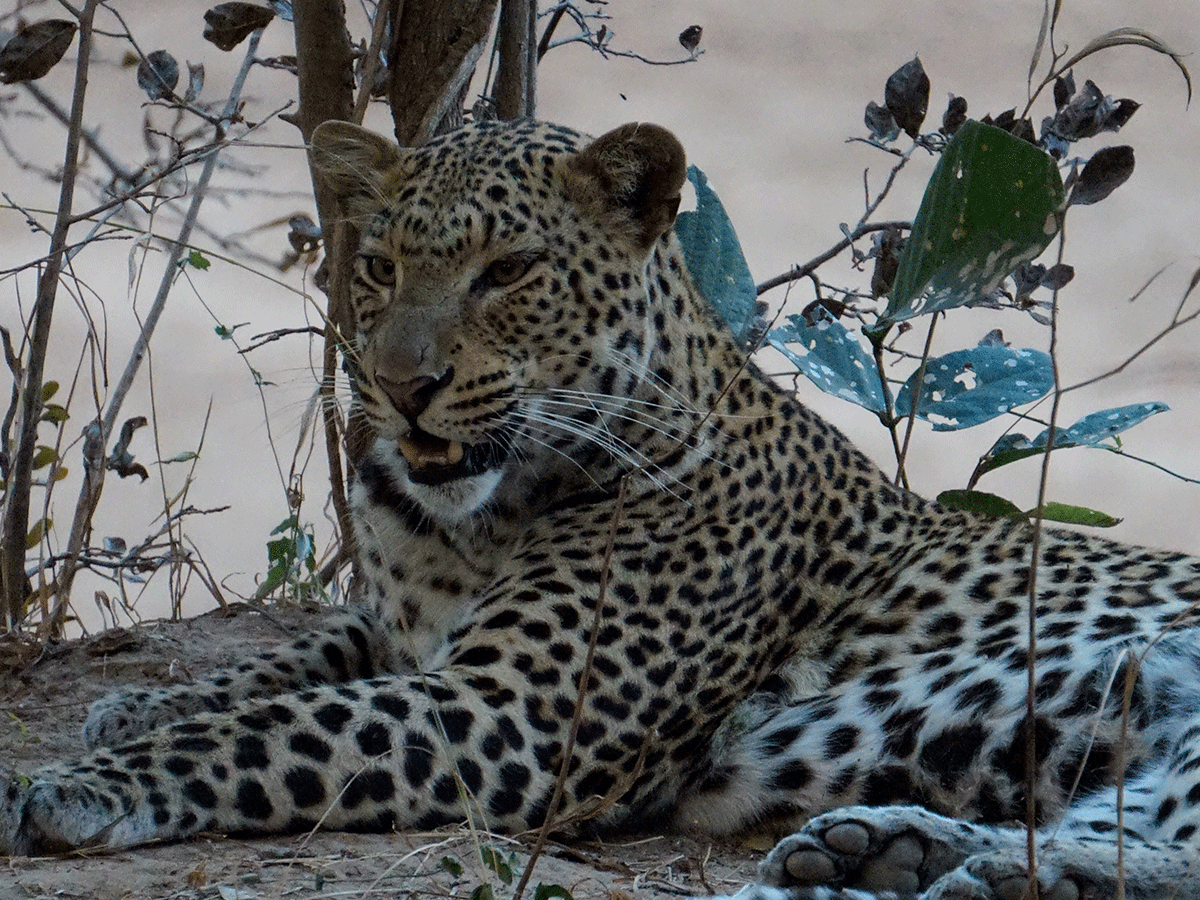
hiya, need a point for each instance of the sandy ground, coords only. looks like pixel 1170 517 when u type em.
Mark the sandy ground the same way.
pixel 44 695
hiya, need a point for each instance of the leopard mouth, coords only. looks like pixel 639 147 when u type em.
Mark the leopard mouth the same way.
pixel 435 460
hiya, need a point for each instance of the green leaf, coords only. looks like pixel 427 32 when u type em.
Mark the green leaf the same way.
pixel 992 204
pixel 186 456
pixel 43 457
pixel 49 389
pixel 494 860
pixel 451 865
pixel 483 892
pixel 198 260
pixel 980 502
pixel 1076 515
pixel 551 891
pixel 992 505
pixel 714 257
pixel 52 412
pixel 286 525
pixel 37 532
pixel 273 579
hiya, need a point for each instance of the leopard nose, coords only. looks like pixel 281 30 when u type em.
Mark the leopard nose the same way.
pixel 412 396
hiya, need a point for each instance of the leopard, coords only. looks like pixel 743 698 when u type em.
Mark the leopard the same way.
pixel 613 578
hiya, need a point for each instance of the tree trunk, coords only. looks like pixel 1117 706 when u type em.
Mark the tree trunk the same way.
pixel 435 46
pixel 516 72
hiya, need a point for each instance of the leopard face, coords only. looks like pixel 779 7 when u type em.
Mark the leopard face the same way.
pixel 499 296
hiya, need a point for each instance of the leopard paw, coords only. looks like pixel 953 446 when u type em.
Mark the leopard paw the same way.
pixel 38 817
pixel 1004 876
pixel 898 849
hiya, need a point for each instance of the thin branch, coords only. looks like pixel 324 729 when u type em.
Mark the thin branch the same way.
pixel 372 64
pixel 16 514
pixel 917 381
pixel 806 269
pixel 1175 323
pixel 1035 552
pixel 269 337
pixel 585 678
pixel 92 487
pixel 888 416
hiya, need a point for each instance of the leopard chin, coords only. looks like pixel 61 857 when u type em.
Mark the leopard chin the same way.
pixel 452 498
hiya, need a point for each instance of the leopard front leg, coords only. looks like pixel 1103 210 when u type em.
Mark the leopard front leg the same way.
pixel 342 650
pixel 398 751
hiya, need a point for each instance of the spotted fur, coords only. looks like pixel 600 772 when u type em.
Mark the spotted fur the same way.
pixel 576 470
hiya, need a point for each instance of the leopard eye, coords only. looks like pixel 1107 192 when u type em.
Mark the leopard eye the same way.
pixel 381 270
pixel 507 270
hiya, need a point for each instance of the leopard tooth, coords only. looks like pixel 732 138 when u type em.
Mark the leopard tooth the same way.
pixel 409 450
pixel 420 456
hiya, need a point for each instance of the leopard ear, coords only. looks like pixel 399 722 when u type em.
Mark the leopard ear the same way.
pixel 358 165
pixel 634 172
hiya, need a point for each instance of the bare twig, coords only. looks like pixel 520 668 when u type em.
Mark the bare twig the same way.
pixel 1035 550
pixel 372 63
pixel 1178 320
pixel 325 79
pixel 888 417
pixel 269 337
pixel 585 678
pixel 805 269
pixel 13 583
pixel 90 492
pixel 917 381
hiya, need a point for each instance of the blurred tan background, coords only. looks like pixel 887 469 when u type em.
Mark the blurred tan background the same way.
pixel 765 112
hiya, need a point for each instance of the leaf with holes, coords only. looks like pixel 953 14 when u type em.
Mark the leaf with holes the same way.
pixel 1090 431
pixel 714 257
pixel 832 358
pixel 968 387
pixel 991 205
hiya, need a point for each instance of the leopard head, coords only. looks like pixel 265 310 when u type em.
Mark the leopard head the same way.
pixel 500 295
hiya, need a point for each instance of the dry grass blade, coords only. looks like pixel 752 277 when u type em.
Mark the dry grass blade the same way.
pixel 1135 37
